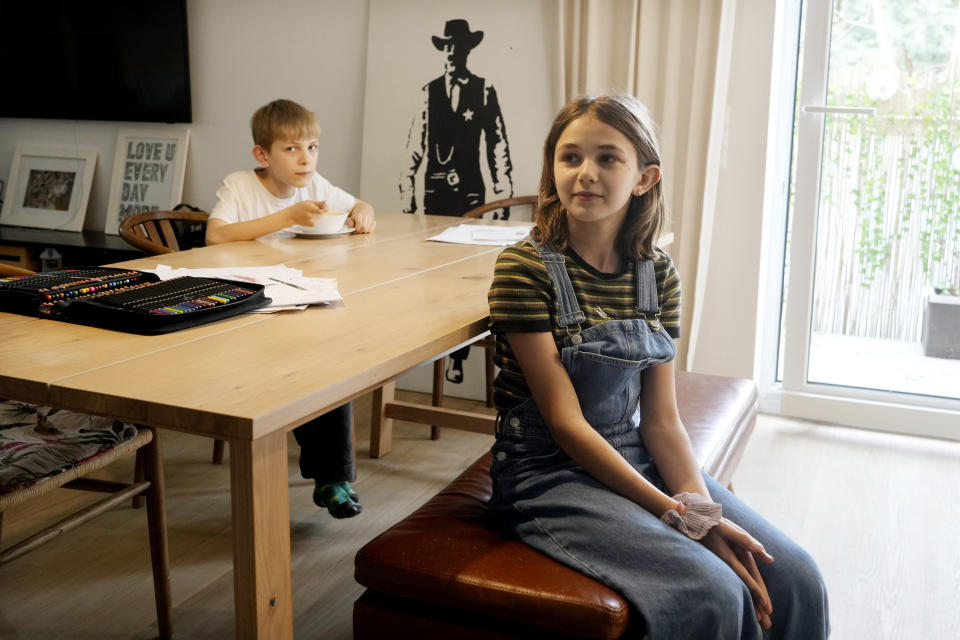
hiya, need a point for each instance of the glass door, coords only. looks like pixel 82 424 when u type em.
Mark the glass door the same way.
pixel 872 302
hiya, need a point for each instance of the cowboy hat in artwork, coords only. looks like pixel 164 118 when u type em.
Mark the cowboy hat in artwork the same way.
pixel 458 32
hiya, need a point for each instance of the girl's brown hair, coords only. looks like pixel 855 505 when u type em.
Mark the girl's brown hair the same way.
pixel 646 212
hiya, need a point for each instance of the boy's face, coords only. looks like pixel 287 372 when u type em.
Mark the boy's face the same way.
pixel 290 162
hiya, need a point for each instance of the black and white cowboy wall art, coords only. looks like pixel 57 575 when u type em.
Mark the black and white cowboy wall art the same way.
pixel 458 99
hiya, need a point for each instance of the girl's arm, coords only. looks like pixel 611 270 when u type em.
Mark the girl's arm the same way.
pixel 557 402
pixel 664 435
pixel 666 439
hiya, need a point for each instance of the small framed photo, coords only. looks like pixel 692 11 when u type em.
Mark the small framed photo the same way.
pixel 148 169
pixel 49 187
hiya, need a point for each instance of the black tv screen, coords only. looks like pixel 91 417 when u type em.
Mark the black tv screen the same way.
pixel 95 60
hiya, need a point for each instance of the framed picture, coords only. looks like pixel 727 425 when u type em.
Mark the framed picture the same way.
pixel 148 169
pixel 49 187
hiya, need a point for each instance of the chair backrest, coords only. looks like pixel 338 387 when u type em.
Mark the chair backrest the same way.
pixel 477 212
pixel 157 232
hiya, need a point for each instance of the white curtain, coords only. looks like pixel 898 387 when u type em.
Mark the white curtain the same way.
pixel 666 53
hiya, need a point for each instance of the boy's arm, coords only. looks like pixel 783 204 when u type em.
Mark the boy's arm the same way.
pixel 361 217
pixel 303 213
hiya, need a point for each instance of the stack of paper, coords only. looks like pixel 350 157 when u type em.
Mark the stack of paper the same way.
pixel 287 288
pixel 485 234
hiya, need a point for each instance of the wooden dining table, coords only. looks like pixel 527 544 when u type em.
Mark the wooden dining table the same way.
pixel 252 378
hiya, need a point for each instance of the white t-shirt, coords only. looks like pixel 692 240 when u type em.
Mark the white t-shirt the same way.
pixel 243 197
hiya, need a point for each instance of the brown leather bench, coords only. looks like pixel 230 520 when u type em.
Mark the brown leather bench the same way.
pixel 448 571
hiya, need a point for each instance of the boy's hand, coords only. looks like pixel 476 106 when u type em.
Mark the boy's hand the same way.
pixel 361 218
pixel 306 213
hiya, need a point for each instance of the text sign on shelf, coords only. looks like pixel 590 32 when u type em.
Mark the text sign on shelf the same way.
pixel 148 171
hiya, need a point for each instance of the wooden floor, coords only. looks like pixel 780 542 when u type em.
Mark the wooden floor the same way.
pixel 879 512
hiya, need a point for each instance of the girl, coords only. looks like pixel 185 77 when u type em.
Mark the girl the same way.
pixel 592 465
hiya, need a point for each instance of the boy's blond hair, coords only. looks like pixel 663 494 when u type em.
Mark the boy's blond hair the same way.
pixel 282 117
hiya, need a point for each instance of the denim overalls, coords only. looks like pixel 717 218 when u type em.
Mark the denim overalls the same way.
pixel 681 589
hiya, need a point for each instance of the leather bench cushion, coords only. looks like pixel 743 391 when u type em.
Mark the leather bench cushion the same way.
pixel 377 616
pixel 450 551
pixel 719 414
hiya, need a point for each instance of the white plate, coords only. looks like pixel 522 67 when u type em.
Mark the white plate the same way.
pixel 344 229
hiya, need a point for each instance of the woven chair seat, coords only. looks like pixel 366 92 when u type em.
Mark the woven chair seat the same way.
pixel 43 449
pixel 53 446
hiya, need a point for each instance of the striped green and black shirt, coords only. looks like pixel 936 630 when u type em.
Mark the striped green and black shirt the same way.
pixel 522 300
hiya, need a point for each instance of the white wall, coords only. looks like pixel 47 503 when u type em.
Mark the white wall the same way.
pixel 242 55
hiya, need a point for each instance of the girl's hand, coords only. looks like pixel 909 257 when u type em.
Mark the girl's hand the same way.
pixel 732 544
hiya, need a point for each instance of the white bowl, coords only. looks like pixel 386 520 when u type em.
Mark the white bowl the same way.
pixel 329 222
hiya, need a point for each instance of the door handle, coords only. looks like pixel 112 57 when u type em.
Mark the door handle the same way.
pixel 850 111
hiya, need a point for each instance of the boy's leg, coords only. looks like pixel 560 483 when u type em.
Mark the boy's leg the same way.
pixel 326 456
pixel 326 446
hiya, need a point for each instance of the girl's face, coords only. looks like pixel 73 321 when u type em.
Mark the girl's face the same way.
pixel 596 172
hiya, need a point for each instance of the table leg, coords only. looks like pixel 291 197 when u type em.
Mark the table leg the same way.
pixel 261 537
pixel 381 427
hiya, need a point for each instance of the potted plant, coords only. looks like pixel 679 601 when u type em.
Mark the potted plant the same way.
pixel 941 323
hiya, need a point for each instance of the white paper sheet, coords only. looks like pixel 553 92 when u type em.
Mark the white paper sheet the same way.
pixel 483 234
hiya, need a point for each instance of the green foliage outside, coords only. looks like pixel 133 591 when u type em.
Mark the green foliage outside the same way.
pixel 901 166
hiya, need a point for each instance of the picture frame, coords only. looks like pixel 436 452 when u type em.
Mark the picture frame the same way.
pixel 148 169
pixel 49 187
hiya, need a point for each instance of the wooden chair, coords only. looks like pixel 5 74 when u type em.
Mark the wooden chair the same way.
pixel 159 232
pixel 488 342
pixel 519 201
pixel 20 486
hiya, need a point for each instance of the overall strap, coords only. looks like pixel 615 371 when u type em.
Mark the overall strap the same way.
pixel 648 303
pixel 570 312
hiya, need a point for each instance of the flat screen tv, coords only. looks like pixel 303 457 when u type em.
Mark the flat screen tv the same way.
pixel 95 60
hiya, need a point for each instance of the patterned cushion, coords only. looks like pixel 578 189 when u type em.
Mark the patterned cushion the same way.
pixel 38 441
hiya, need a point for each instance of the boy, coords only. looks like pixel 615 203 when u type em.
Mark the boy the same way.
pixel 286 190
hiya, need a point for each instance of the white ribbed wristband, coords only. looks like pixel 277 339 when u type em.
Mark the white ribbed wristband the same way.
pixel 699 516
